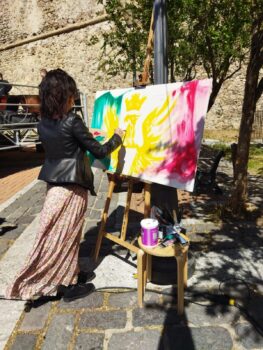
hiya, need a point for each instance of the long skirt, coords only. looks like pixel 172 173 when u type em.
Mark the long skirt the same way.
pixel 53 260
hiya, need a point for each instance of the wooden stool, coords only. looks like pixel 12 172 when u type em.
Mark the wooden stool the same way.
pixel 180 254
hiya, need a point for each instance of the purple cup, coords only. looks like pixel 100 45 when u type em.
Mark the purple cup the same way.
pixel 149 232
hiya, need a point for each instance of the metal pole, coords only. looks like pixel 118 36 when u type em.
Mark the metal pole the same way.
pixel 85 108
pixel 162 196
pixel 160 42
pixel 23 85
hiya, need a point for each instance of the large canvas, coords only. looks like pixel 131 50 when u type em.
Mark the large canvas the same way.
pixel 164 127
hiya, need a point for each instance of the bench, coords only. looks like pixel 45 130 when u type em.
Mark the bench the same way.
pixel 206 173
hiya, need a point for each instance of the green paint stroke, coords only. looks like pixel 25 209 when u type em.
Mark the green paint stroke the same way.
pixel 101 103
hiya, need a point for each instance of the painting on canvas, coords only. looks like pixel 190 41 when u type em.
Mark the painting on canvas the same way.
pixel 163 130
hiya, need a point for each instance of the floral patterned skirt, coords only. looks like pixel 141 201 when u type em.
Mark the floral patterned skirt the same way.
pixel 53 260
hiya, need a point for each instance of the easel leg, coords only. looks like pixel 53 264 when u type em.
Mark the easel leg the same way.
pixel 185 262
pixel 149 267
pixel 145 272
pixel 147 200
pixel 103 220
pixel 180 285
pixel 126 211
pixel 140 274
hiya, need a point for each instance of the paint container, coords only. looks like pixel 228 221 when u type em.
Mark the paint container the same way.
pixel 149 232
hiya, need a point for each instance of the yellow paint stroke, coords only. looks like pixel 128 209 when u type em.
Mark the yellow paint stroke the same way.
pixel 133 107
pixel 145 154
pixel 135 102
pixel 150 152
pixel 111 123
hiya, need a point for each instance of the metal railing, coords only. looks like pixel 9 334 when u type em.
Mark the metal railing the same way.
pixel 23 132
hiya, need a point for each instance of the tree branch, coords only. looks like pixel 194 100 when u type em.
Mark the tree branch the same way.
pixel 233 73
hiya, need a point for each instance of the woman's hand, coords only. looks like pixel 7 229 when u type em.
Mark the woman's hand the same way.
pixel 119 132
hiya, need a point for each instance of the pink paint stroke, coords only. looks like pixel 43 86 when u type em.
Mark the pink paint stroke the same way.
pixel 181 158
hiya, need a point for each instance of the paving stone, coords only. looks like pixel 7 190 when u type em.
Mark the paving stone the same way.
pixel 208 227
pixel 36 318
pixel 25 219
pixel 24 342
pixel 104 186
pixel 215 314
pixel 36 209
pixel 87 214
pixel 127 299
pixel 103 319
pixel 95 214
pixel 9 210
pixel 199 238
pixel 100 204
pixel 146 340
pixel 59 332
pixel 92 301
pixel 97 181
pixel 89 341
pixel 16 215
pixel 154 315
pixel 4 245
pixel 91 201
pixel 188 338
pixel 5 212
pixel 248 336
pixel 103 195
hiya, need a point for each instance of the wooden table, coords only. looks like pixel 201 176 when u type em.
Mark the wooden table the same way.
pixel 180 254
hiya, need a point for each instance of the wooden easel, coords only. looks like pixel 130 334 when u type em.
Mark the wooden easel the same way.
pixel 114 177
pixel 121 240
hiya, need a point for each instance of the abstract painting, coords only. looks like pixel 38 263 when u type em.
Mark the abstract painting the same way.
pixel 163 130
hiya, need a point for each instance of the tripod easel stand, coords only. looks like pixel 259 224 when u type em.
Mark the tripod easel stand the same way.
pixel 121 240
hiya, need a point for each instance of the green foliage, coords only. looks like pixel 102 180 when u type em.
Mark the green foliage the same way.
pixel 208 33
pixel 124 44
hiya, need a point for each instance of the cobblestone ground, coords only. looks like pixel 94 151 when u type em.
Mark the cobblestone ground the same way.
pixel 111 319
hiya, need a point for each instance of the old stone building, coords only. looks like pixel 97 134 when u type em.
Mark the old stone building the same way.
pixel 40 20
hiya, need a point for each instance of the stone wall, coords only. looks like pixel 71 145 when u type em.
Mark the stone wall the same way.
pixel 21 19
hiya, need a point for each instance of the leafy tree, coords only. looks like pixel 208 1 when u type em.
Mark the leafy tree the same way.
pixel 208 34
pixel 253 91
pixel 213 35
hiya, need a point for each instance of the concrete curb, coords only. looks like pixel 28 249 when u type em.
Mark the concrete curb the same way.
pixel 10 265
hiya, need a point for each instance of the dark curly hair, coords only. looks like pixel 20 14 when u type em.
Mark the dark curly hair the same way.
pixel 54 91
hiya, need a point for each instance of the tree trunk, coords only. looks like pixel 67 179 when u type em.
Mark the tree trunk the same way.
pixel 239 194
pixel 215 90
pixel 252 90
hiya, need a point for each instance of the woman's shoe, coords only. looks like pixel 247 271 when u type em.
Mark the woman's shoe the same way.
pixel 84 276
pixel 78 291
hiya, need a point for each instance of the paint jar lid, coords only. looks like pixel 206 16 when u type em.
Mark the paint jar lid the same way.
pixel 149 223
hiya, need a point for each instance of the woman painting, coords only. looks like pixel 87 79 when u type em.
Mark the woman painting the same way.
pixel 52 265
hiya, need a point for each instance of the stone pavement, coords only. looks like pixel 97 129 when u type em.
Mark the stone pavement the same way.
pixel 228 255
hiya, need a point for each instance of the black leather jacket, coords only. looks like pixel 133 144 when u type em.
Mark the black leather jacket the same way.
pixel 65 141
